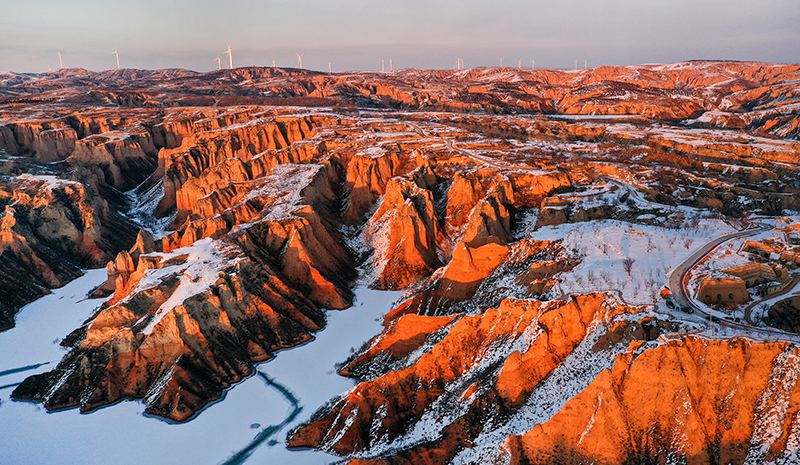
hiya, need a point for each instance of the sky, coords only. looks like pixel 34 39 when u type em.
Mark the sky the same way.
pixel 360 34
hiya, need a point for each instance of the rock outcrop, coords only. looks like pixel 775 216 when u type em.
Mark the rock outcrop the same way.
pixel 29 270
pixel 204 317
pixel 231 208
pixel 51 227
pixel 479 360
pixel 406 236
pixel 693 400
pixel 191 312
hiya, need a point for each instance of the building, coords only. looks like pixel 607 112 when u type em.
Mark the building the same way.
pixel 791 258
pixel 760 249
pixel 722 290
pixel 754 274
pixel 792 237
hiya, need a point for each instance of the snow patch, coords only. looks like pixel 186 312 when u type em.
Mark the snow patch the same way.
pixel 204 260
pixel 771 407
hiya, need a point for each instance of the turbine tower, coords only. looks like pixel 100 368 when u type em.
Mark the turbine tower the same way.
pixel 501 62
pixel 519 65
pixel 230 54
pixel 299 59
pixel 219 62
pixel 117 54
pixel 329 67
pixel 383 67
pixel 391 65
pixel 60 61
pixel 533 65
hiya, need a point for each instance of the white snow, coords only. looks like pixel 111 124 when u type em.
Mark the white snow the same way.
pixel 605 244
pixel 145 203
pixel 205 259
pixel 309 371
pixel 51 182
pixel 772 406
pixel 570 378
pixel 283 188
pixel 122 434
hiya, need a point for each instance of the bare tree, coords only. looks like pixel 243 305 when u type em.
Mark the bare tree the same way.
pixel 688 242
pixel 627 265
pixel 590 276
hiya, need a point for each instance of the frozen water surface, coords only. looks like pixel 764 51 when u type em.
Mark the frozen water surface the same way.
pixel 248 425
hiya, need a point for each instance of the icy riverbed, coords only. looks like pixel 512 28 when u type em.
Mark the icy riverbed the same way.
pixel 248 425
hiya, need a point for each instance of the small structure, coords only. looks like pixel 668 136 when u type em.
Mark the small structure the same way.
pixel 722 290
pixel 754 274
pixel 791 258
pixel 793 237
pixel 759 248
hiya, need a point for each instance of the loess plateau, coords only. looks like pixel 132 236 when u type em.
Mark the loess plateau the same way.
pixel 232 209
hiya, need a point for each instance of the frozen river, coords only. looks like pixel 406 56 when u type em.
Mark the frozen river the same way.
pixel 248 425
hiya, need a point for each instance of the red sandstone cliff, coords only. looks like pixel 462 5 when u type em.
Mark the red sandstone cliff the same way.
pixel 268 209
pixel 694 400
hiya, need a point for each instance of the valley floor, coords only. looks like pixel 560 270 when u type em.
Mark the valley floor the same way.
pixel 229 431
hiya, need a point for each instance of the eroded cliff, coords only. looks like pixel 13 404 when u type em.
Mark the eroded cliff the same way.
pixel 232 209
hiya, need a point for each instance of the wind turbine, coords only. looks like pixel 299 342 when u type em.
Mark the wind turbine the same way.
pixel 501 62
pixel 219 62
pixel 299 59
pixel 519 65
pixel 576 64
pixel 117 54
pixel 391 65
pixel 273 63
pixel 533 65
pixel 230 54
pixel 60 61
pixel 383 67
pixel 329 67
pixel 584 64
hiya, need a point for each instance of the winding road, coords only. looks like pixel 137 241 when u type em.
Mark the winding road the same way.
pixel 677 280
pixel 789 288
pixel 678 277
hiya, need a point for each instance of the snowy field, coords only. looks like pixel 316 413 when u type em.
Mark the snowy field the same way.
pixel 248 425
pixel 605 245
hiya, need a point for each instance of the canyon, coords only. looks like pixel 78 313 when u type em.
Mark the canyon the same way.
pixel 530 219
